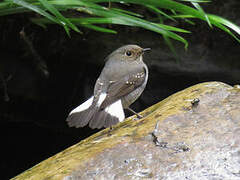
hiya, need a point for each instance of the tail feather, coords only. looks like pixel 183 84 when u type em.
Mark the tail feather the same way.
pixel 97 118
pixel 81 115
pixel 80 119
pixel 110 121
pixel 109 116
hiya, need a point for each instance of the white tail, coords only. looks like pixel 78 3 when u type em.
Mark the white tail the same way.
pixel 97 118
pixel 83 106
pixel 116 110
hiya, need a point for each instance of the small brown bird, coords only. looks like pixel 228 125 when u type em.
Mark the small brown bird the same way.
pixel 120 83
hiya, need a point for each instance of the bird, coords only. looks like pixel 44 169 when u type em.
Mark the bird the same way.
pixel 121 82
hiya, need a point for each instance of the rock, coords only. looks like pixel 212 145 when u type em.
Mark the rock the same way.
pixel 193 134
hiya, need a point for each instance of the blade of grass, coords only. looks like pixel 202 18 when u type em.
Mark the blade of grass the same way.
pixel 158 11
pixel 127 12
pixel 165 4
pixel 197 6
pixel 122 18
pixel 184 9
pixel 171 28
pixel 225 22
pixel 126 18
pixel 36 9
pixel 15 10
pixel 138 22
pixel 184 17
pixel 220 23
pixel 97 28
pixel 82 21
pixel 170 45
pixel 64 21
pixel 196 1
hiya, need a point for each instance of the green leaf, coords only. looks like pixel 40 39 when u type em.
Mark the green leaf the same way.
pixel 219 21
pixel 134 21
pixel 101 29
pixel 171 28
pixel 85 22
pixel 156 10
pixel 65 22
pixel 50 9
pixel 197 6
pixel 224 22
pixel 127 12
pixel 170 45
pixel 196 1
pixel 35 9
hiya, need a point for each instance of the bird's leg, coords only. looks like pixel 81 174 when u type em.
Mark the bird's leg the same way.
pixel 138 115
pixel 109 133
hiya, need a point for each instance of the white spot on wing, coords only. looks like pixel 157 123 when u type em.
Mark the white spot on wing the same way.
pixel 83 106
pixel 101 99
pixel 116 110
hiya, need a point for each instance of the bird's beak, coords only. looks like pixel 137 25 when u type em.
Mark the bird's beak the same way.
pixel 145 49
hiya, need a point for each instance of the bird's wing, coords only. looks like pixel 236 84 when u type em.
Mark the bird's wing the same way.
pixel 127 84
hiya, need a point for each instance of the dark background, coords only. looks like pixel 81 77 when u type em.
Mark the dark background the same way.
pixel 34 105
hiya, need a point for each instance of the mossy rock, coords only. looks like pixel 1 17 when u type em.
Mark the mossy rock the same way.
pixel 192 134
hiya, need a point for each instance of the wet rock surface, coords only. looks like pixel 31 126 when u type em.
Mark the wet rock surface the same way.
pixel 193 134
pixel 201 142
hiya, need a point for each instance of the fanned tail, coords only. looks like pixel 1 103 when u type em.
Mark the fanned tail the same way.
pixel 80 119
pixel 81 115
pixel 109 116
pixel 95 116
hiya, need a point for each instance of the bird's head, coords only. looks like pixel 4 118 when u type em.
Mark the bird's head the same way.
pixel 129 53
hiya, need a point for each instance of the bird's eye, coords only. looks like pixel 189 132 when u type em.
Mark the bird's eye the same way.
pixel 128 53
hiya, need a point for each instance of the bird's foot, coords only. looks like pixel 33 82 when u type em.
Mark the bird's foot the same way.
pixel 109 133
pixel 138 117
